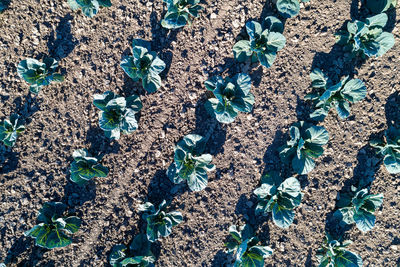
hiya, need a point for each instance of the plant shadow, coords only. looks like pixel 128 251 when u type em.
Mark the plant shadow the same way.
pixel 208 127
pixel 392 110
pixel 61 42
pixel 25 245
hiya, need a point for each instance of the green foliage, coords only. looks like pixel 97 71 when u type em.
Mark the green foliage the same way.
pixel 89 7
pixel 231 96
pixel 304 146
pixel 138 254
pixel 289 8
pixel 327 95
pixel 389 149
pixel 159 222
pixel 53 227
pixel 367 38
pixel 3 6
pixel 333 253
pixel 279 197
pixel 144 65
pixel 39 74
pixel 265 41
pixel 85 167
pixel 380 6
pixel 179 13
pixel 244 246
pixel 10 129
pixel 190 164
pixel 359 209
pixel 117 113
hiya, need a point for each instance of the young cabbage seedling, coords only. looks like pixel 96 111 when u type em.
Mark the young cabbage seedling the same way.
pixel 39 74
pixel 367 39
pixel 289 8
pixel 179 13
pixel 144 65
pixel 85 167
pixel 389 149
pixel 190 164
pixel 265 41
pixel 231 96
pixel 304 146
pixel 159 222
pixel 328 95
pixel 380 6
pixel 138 254
pixel 10 129
pixel 118 114
pixel 279 197
pixel 333 253
pixel 53 227
pixel 89 7
pixel 245 249
pixel 359 209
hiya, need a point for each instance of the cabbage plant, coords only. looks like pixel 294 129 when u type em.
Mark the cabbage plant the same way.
pixel 327 95
pixel 3 6
pixel 137 254
pixel 380 6
pixel 118 114
pixel 245 249
pixel 179 13
pixel 39 74
pixel 280 197
pixel 85 167
pixel 304 146
pixel 53 228
pixel 359 209
pixel 367 39
pixel 265 40
pixel 231 97
pixel 159 222
pixel 144 65
pixel 190 164
pixel 289 8
pixel 10 129
pixel 89 7
pixel 389 149
pixel 334 253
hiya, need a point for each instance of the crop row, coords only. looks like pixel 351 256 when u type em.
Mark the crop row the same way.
pixel 230 95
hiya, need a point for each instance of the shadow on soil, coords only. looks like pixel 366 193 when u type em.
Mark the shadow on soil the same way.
pixel 61 42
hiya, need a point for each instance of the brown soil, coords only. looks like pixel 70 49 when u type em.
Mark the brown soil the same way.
pixel 62 118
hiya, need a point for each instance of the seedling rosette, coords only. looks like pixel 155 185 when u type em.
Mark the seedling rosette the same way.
pixel 280 197
pixel 180 12
pixel 389 149
pixel 245 249
pixel 327 95
pixel 53 228
pixel 144 65
pixel 335 253
pixel 265 40
pixel 304 146
pixel 10 129
pixel 289 8
pixel 159 222
pixel 190 164
pixel 39 74
pixel 359 209
pixel 138 254
pixel 85 167
pixel 89 7
pixel 367 39
pixel 231 97
pixel 118 114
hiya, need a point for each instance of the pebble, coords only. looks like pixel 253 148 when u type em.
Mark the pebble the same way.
pixel 213 16
pixel 393 247
pixel 235 23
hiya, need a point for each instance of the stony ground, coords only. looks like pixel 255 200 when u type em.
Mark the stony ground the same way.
pixel 62 118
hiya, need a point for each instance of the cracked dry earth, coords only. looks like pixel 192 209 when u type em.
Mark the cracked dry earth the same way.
pixel 62 119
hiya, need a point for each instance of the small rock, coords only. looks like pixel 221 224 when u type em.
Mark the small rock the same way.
pixel 393 247
pixel 213 16
pixel 235 23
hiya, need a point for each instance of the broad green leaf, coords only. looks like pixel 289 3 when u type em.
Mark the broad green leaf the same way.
pixel 392 163
pixel 273 24
pixel 303 164
pixel 377 20
pixel 342 108
pixel 290 186
pixel 364 220
pixel 151 82
pixel 386 42
pixel 198 180
pixel 267 59
pixel 242 50
pixel 129 67
pixel 254 29
pixel 354 90
pixel 348 259
pixel 317 135
pixel 318 79
pixel 276 40
pixel 282 217
pixel 72 224
pixel 57 239
pixel 288 8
